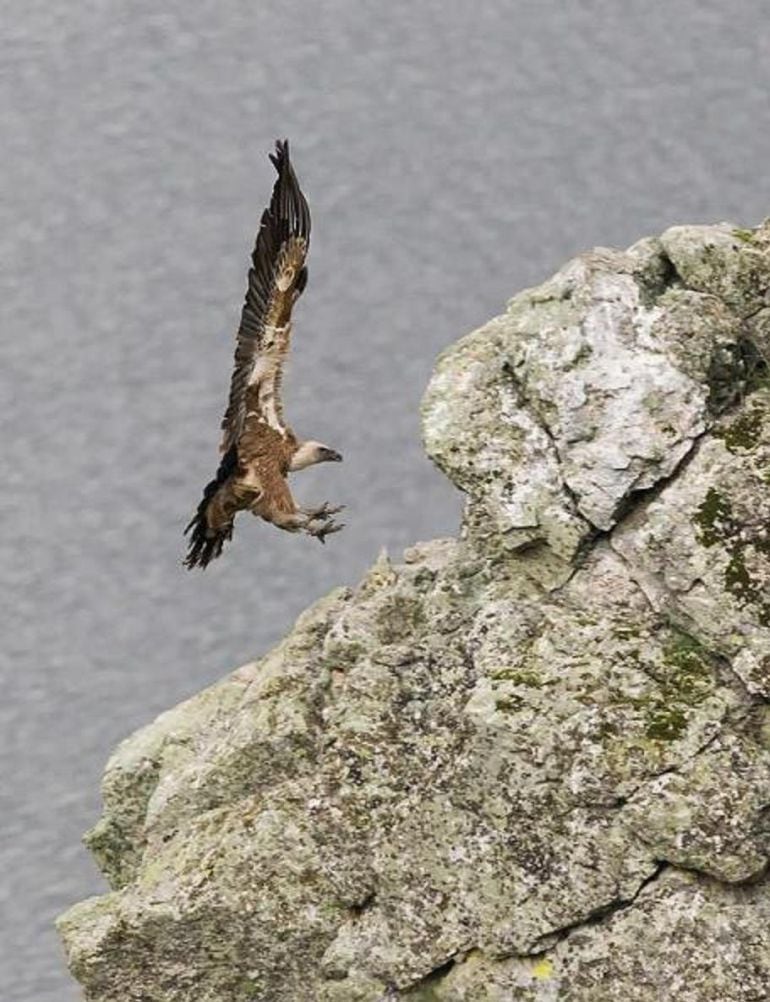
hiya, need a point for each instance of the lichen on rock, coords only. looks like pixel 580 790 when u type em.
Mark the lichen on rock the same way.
pixel 514 765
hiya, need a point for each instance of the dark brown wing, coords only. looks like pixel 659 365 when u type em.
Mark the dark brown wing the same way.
pixel 276 278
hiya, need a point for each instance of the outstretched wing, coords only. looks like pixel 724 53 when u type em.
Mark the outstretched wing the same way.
pixel 276 278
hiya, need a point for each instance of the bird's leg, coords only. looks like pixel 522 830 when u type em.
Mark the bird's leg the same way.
pixel 289 521
pixel 302 521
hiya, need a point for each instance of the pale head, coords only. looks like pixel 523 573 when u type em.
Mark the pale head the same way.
pixel 310 453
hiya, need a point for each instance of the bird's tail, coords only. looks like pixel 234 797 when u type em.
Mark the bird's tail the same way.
pixel 206 542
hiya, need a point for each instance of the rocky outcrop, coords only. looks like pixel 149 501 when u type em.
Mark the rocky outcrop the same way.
pixel 532 763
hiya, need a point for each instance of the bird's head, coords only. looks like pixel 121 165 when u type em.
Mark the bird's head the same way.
pixel 310 453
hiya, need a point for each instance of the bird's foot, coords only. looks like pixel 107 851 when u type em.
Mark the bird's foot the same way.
pixel 322 513
pixel 324 529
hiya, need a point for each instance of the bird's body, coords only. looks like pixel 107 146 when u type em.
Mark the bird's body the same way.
pixel 259 449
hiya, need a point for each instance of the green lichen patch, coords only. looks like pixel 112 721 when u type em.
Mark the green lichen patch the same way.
pixel 714 518
pixel 681 680
pixel 399 617
pixel 689 664
pixel 739 582
pixel 627 631
pixel 667 713
pixel 717 524
pixel 686 680
pixel 666 723
pixel 745 432
pixel 510 703
pixel 247 990
pixel 530 677
pixel 118 853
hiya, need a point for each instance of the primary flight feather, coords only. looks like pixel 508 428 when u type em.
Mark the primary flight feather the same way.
pixel 259 449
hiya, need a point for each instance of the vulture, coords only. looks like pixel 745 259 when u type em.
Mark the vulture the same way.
pixel 259 450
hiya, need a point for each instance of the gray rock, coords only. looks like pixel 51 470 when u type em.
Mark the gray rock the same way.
pixel 685 938
pixel 519 764
pixel 723 260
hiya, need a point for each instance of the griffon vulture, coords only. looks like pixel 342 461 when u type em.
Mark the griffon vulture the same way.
pixel 259 449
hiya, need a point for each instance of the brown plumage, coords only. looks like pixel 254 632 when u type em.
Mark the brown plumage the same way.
pixel 259 449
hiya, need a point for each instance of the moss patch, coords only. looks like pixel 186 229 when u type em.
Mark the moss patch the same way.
pixel 713 518
pixel 687 679
pixel 519 676
pixel 740 583
pixel 509 704
pixel 688 663
pixel 745 432
pixel 666 723
pixel 683 678
pixel 716 524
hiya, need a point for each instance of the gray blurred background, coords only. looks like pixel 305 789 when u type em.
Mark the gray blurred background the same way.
pixel 452 152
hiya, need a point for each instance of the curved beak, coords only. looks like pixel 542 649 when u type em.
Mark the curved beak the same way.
pixel 330 456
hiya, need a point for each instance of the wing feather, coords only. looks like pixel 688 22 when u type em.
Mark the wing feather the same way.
pixel 276 278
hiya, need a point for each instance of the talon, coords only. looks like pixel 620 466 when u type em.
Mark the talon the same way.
pixel 324 512
pixel 326 530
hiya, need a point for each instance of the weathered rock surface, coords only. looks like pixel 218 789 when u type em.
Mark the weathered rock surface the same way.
pixel 532 763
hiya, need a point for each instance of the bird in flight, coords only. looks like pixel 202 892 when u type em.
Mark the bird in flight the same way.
pixel 259 449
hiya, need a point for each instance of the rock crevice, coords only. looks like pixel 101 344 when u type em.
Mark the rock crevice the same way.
pixel 520 763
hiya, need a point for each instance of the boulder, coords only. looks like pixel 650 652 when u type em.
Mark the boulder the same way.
pixel 529 763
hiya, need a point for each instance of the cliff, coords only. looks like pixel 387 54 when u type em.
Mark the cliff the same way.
pixel 530 763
